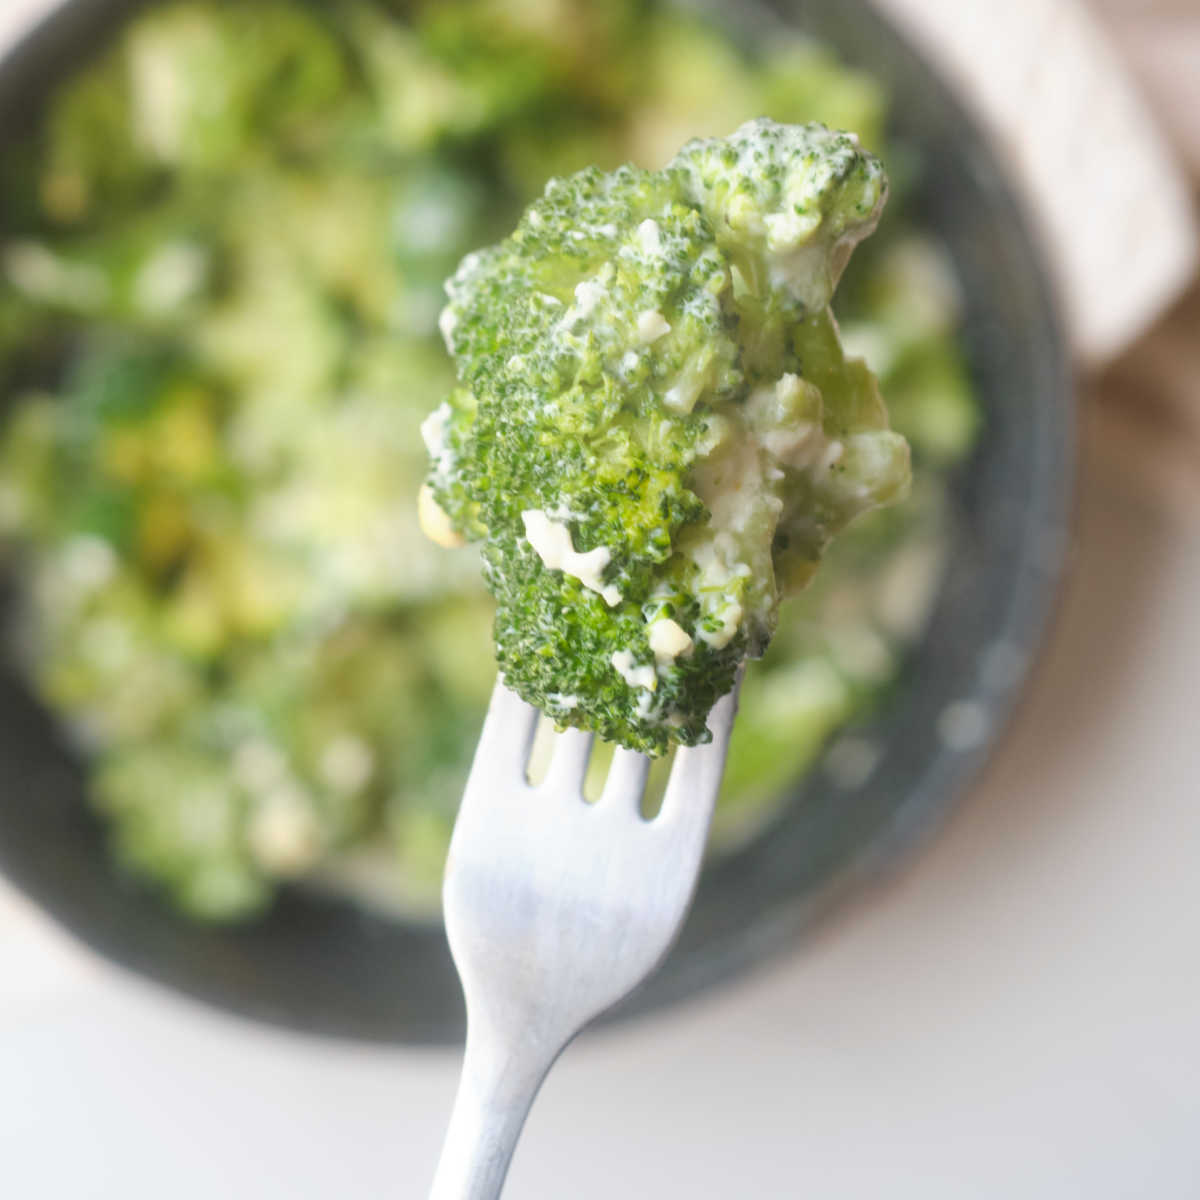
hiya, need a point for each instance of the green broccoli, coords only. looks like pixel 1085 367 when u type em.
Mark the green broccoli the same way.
pixel 656 432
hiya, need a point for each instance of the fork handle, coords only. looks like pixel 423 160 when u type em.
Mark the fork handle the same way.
pixel 494 1097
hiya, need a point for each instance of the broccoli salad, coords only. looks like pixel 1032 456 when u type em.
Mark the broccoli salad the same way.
pixel 222 255
pixel 655 428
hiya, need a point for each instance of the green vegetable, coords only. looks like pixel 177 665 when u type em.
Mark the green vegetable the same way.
pixel 656 431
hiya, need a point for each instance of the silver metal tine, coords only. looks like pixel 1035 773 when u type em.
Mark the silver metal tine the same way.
pixel 568 765
pixel 507 736
pixel 626 781
pixel 697 770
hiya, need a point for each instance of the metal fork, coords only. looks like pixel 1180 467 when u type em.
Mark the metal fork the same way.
pixel 555 910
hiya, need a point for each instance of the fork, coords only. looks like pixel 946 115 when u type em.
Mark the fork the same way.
pixel 556 909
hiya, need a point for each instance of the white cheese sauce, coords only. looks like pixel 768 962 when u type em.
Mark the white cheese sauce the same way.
pixel 637 677
pixel 552 542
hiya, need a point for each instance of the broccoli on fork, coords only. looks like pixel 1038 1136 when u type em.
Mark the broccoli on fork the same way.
pixel 655 432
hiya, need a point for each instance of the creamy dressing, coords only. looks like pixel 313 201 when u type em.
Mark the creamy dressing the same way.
pixel 433 429
pixel 649 237
pixel 551 540
pixel 447 323
pixel 588 295
pixel 681 397
pixel 651 325
pixel 730 617
pixel 802 272
pixel 734 487
pixel 283 832
pixel 637 677
pixel 435 521
pixel 668 639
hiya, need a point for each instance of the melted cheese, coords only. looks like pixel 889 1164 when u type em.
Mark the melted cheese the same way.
pixel 651 325
pixel 552 542
pixel 435 523
pixel 636 677
pixel 668 639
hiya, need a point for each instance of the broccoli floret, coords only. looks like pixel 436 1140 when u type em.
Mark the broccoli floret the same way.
pixel 655 432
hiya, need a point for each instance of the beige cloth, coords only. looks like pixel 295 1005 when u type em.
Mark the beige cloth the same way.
pixel 1160 39
pixel 1105 189
pixel 1144 412
pixel 1118 83
pixel 1146 416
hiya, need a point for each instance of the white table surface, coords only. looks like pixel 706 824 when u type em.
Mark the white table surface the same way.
pixel 1018 1014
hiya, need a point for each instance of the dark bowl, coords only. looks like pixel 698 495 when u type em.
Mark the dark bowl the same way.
pixel 327 967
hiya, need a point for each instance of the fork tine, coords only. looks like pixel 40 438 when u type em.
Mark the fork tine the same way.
pixel 697 770
pixel 568 765
pixel 507 735
pixel 626 782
